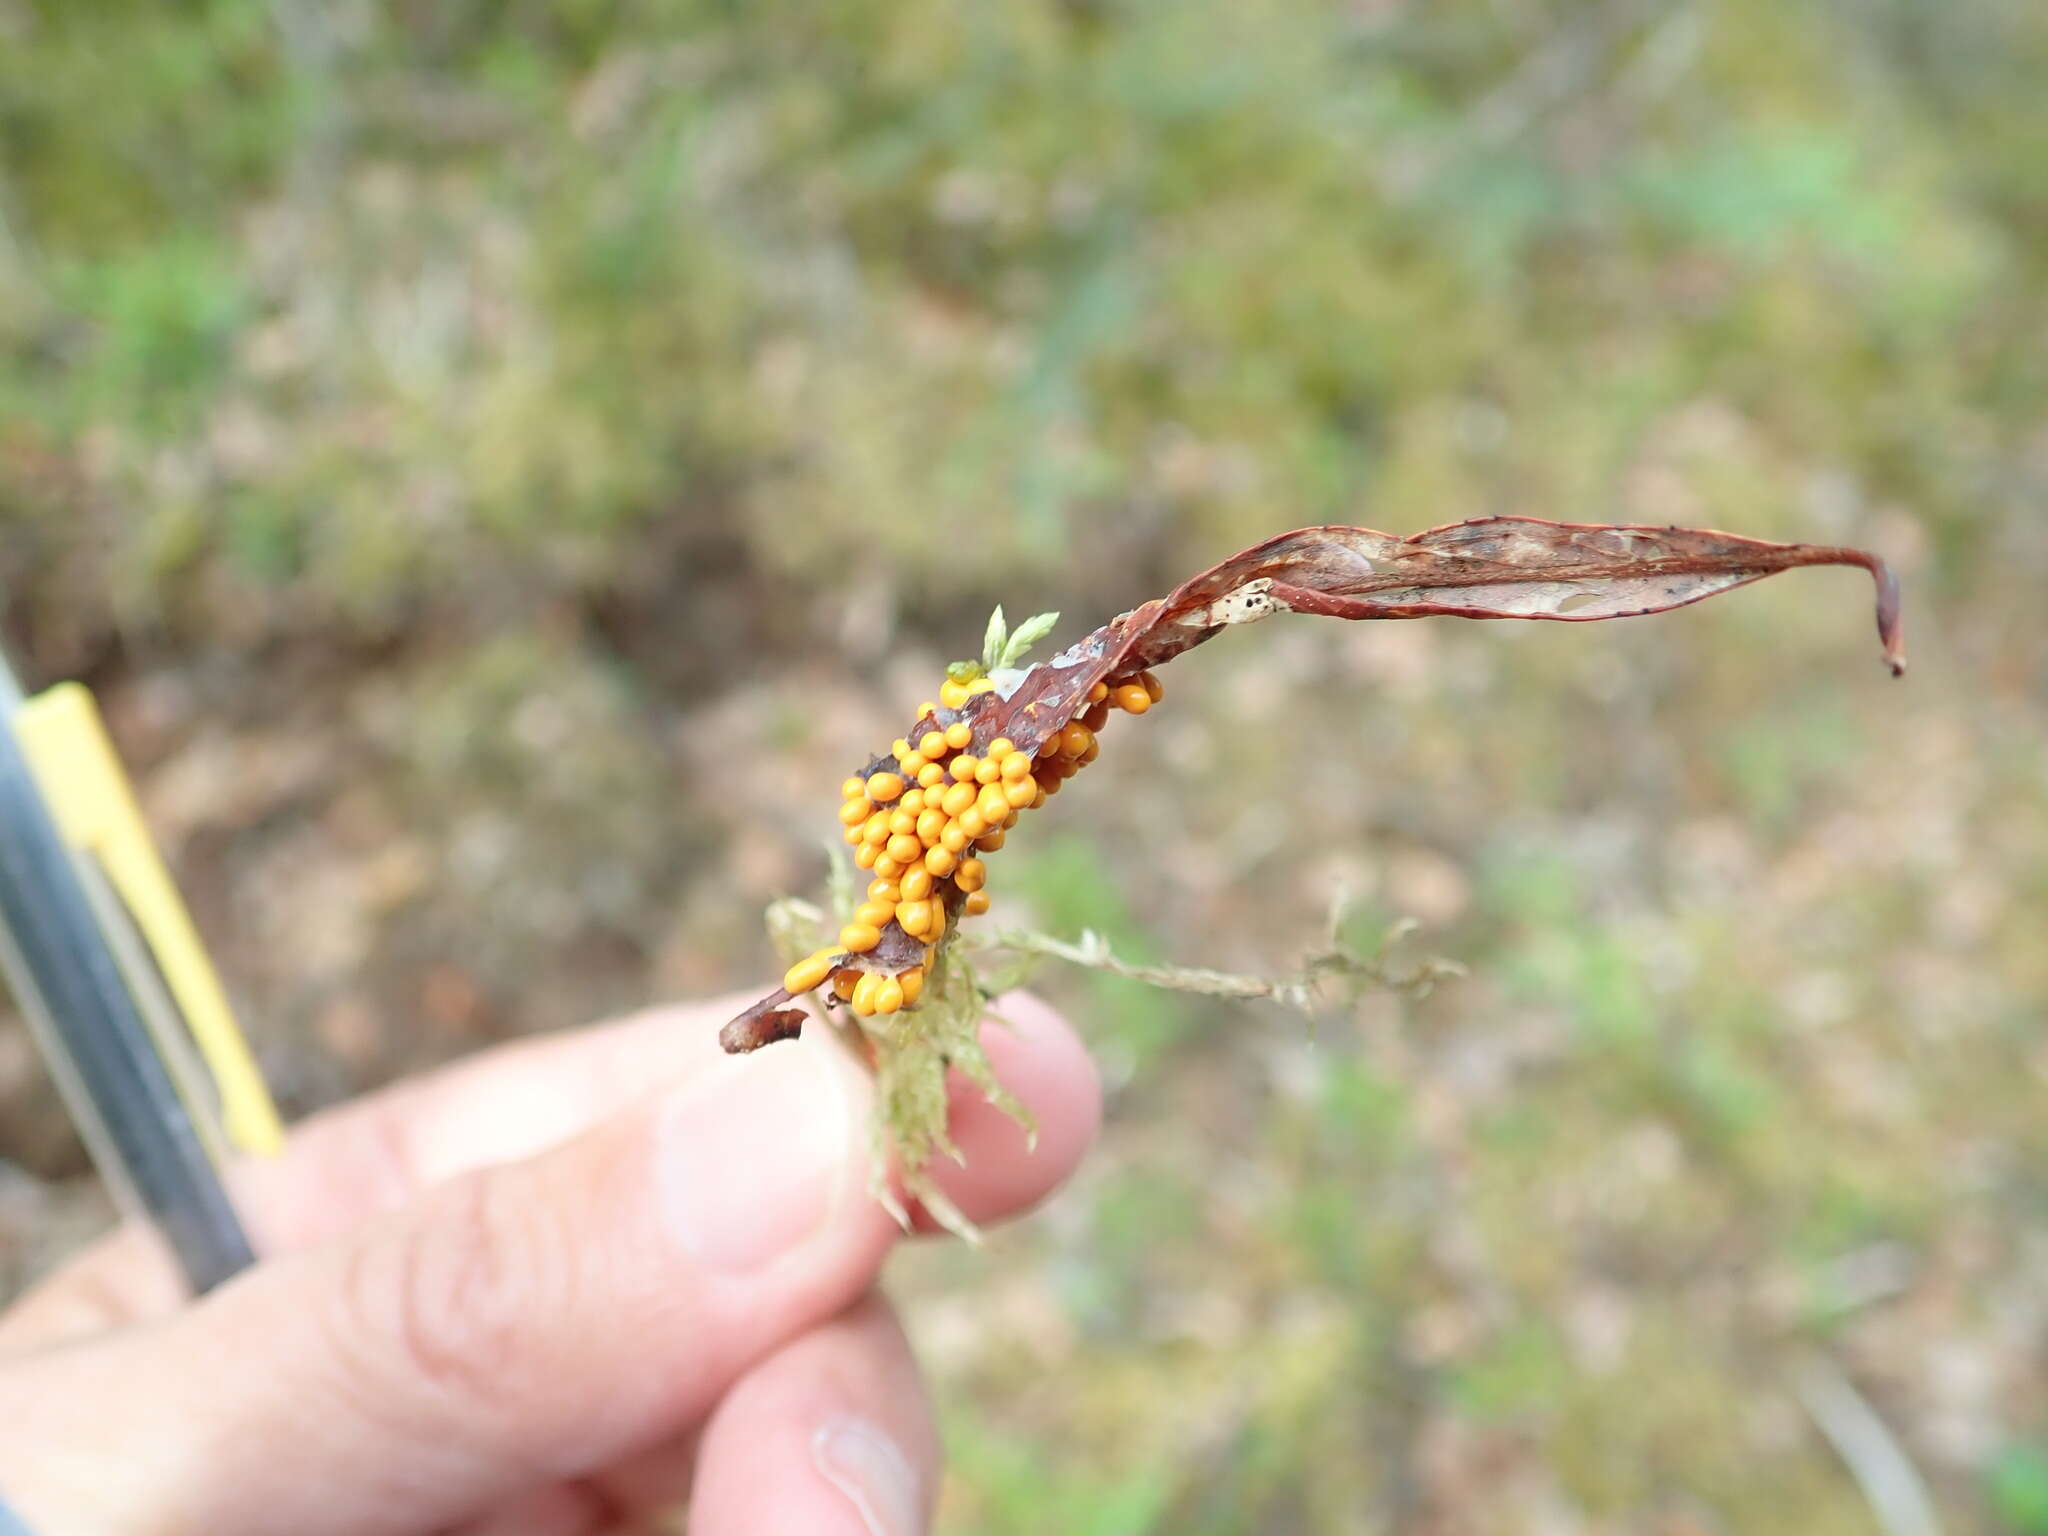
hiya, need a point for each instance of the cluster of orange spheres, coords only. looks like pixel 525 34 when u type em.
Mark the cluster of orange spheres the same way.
pixel 921 831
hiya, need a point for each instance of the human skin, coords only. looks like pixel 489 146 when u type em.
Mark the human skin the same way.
pixel 571 1285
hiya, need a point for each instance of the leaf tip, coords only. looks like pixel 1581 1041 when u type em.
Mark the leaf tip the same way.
pixel 1891 625
pixel 763 1024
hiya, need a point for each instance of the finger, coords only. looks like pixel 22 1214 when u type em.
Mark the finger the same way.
pixel 1007 1169
pixel 831 1436
pixel 377 1153
pixel 526 1324
pixel 1035 1055
pixel 561 1509
pixel 374 1154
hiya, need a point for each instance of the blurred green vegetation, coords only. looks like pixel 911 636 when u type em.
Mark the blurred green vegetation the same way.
pixel 489 455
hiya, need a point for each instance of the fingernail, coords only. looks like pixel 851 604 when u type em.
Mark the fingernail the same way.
pixel 865 1464
pixel 754 1158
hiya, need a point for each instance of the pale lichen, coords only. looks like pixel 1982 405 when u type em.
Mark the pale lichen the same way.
pixel 910 1052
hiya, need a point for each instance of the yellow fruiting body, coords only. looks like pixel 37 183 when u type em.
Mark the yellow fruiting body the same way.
pixel 921 830
pixel 864 992
pixel 808 972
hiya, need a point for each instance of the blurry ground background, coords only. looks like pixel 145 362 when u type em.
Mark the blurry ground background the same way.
pixel 455 437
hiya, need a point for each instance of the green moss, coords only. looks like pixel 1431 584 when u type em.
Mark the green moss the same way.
pixel 2017 1484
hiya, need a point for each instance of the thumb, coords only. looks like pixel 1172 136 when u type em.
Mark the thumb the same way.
pixel 522 1325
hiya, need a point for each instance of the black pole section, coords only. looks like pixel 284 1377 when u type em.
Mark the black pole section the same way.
pixel 45 907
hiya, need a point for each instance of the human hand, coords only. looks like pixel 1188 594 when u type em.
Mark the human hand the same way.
pixel 563 1287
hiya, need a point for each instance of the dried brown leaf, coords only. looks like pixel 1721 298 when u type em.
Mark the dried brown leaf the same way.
pixel 1488 568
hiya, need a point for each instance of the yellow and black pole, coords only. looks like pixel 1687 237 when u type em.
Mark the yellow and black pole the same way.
pixel 105 964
